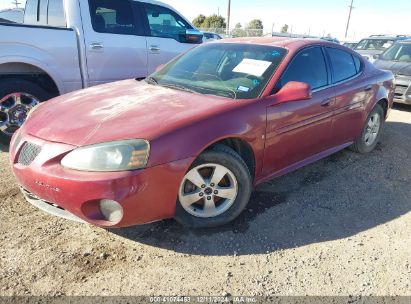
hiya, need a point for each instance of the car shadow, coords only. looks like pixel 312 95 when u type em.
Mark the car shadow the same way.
pixel 335 198
pixel 4 148
pixel 402 107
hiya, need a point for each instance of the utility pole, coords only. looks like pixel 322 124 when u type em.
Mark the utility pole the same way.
pixel 228 17
pixel 349 18
pixel 16 3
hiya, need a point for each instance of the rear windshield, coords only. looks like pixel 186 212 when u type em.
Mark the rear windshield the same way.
pixel 238 71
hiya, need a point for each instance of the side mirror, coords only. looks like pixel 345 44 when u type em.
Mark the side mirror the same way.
pixel 376 56
pixel 160 67
pixel 294 91
pixel 192 36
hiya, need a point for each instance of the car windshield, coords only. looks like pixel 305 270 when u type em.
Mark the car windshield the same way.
pixel 374 44
pixel 398 52
pixel 237 71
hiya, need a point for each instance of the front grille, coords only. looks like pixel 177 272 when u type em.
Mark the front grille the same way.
pixel 28 153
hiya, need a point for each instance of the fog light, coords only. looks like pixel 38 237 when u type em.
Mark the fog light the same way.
pixel 111 210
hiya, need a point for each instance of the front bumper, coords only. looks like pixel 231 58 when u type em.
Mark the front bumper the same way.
pixel 403 89
pixel 145 195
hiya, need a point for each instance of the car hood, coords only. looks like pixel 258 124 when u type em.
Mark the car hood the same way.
pixel 401 68
pixel 123 110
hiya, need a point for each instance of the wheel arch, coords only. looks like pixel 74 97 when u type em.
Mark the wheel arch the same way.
pixel 33 72
pixel 384 103
pixel 241 147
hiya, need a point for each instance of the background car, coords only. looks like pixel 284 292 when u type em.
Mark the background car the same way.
pixel 67 45
pixel 350 45
pixel 208 36
pixel 397 59
pixel 331 39
pixel 192 140
pixel 12 15
pixel 376 45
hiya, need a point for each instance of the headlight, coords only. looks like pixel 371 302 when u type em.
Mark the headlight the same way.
pixel 122 155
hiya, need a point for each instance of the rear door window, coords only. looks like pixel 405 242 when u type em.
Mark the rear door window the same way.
pixel 113 17
pixel 343 64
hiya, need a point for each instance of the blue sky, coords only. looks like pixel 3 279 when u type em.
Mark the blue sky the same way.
pixel 314 16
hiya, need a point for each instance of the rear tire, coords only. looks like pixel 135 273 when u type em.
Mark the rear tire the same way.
pixel 26 88
pixel 371 133
pixel 221 172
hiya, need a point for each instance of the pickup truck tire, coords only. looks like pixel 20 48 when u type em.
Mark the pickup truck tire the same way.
pixel 17 98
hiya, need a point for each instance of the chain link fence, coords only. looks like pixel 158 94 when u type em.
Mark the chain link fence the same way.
pixel 235 33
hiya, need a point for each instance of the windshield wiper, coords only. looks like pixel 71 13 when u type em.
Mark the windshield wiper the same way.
pixel 151 80
pixel 178 87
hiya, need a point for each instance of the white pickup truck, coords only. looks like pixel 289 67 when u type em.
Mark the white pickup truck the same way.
pixel 66 45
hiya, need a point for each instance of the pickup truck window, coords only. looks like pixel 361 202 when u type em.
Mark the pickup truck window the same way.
pixel 165 23
pixel 113 17
pixel 45 12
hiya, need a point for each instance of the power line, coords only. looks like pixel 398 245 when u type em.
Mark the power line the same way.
pixel 16 3
pixel 349 18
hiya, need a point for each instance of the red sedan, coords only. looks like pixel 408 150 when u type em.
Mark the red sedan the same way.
pixel 192 140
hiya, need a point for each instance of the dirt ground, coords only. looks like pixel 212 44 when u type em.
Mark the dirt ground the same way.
pixel 341 226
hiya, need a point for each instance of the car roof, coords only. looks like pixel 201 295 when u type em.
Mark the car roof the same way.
pixel 393 37
pixel 282 42
pixel 405 41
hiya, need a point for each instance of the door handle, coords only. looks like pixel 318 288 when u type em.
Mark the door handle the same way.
pixel 368 88
pixel 326 102
pixel 154 48
pixel 96 46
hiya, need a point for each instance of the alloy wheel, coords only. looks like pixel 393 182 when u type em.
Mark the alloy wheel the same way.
pixel 372 129
pixel 208 190
pixel 14 108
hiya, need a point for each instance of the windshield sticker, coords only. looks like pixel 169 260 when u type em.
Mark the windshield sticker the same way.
pixel 256 83
pixel 243 89
pixel 275 54
pixel 252 67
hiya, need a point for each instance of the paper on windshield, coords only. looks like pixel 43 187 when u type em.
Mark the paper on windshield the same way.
pixel 252 67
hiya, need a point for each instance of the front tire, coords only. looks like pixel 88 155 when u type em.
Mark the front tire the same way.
pixel 371 133
pixel 17 98
pixel 215 190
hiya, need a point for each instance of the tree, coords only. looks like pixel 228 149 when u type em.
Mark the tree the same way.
pixel 199 20
pixel 255 28
pixel 238 31
pixel 255 24
pixel 284 29
pixel 214 22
